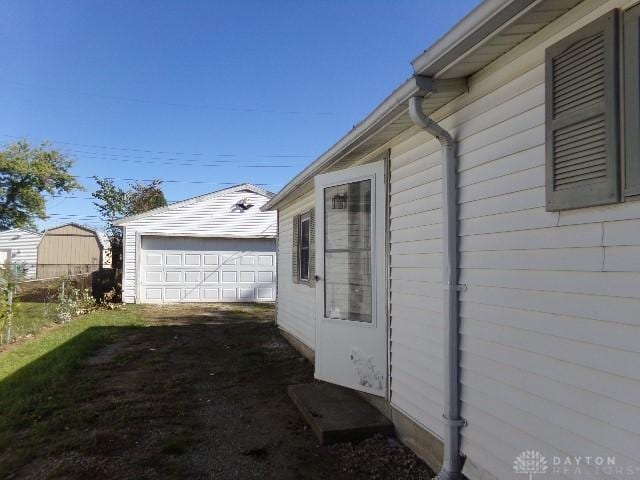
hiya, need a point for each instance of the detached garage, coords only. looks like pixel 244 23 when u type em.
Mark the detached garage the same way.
pixel 218 247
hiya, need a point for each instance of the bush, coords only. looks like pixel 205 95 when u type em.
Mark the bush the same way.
pixel 72 302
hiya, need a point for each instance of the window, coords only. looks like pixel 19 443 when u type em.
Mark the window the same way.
pixel 303 248
pixel 582 117
pixel 632 100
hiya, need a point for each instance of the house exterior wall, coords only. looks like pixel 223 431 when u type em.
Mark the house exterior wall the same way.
pixel 212 217
pixel 550 326
pixel 23 245
pixel 296 301
pixel 68 249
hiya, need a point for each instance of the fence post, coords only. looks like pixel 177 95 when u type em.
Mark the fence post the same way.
pixel 10 314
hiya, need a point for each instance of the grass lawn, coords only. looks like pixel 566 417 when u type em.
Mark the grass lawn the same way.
pixel 30 317
pixel 34 375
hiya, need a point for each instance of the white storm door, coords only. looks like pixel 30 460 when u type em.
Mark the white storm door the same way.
pixel 351 325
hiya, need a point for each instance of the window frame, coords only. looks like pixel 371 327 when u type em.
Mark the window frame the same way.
pixel 631 101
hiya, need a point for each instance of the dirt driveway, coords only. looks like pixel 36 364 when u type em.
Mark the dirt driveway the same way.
pixel 201 394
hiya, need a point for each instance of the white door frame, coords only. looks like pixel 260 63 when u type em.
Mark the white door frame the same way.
pixel 374 336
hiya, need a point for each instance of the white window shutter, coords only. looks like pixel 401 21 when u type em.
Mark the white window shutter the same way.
pixel 582 126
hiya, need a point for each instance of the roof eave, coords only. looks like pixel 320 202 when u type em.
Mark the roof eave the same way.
pixel 474 28
pixel 399 95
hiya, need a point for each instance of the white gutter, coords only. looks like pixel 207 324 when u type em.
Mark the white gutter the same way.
pixel 451 464
pixel 476 26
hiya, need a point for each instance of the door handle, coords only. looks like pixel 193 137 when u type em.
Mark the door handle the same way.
pixel 317 278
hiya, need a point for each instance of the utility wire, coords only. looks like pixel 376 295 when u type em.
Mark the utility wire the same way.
pixel 159 152
pixel 222 108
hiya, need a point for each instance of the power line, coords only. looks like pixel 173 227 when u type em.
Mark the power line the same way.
pixel 170 104
pixel 219 156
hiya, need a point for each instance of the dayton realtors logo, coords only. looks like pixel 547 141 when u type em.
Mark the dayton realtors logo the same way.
pixel 530 462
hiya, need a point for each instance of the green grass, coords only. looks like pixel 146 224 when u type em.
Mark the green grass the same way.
pixel 29 318
pixel 22 355
pixel 34 376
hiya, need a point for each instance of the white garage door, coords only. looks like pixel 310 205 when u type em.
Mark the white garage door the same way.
pixel 187 269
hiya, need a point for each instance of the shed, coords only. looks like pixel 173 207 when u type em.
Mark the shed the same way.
pixel 20 246
pixel 477 246
pixel 70 249
pixel 217 247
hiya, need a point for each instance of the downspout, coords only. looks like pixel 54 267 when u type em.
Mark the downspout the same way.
pixel 451 464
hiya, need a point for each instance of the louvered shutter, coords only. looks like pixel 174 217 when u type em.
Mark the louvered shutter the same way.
pixel 295 257
pixel 632 100
pixel 582 152
pixel 312 247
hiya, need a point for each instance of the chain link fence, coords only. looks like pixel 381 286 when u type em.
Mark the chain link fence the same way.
pixel 28 304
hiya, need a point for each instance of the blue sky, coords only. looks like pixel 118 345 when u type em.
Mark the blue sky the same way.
pixel 201 91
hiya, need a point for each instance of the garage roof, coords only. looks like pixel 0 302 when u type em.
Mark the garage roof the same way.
pixel 236 188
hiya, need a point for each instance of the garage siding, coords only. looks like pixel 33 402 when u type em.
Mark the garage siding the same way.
pixel 211 216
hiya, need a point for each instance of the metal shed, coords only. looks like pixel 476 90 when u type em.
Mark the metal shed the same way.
pixel 20 247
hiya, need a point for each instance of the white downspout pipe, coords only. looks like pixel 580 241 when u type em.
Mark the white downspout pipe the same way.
pixel 451 464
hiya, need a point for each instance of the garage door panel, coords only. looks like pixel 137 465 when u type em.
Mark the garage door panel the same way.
pixel 229 294
pixel 230 276
pixel 175 269
pixel 211 294
pixel 173 276
pixel 229 260
pixel 192 259
pixel 153 276
pixel 211 277
pixel 247 277
pixel 192 294
pixel 209 259
pixel 172 294
pixel 192 277
pixel 248 260
pixel 173 259
pixel 247 294
pixel 153 293
pixel 265 293
pixel 265 277
pixel 153 259
pixel 265 260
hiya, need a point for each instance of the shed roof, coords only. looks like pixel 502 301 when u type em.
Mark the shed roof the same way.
pixel 100 236
pixel 489 31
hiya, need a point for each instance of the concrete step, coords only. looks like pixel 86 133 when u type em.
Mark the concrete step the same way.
pixel 337 414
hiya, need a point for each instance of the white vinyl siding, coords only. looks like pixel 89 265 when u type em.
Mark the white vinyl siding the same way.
pixel 209 217
pixel 416 327
pixel 549 328
pixel 23 245
pixel 296 301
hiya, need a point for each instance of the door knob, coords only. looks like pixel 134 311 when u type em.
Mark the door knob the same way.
pixel 317 278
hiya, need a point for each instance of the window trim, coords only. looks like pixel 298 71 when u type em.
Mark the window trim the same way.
pixel 631 101
pixel 304 218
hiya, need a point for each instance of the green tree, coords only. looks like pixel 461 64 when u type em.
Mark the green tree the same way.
pixel 114 202
pixel 26 173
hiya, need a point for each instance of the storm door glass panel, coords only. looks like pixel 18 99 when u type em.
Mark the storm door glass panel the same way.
pixel 347 255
